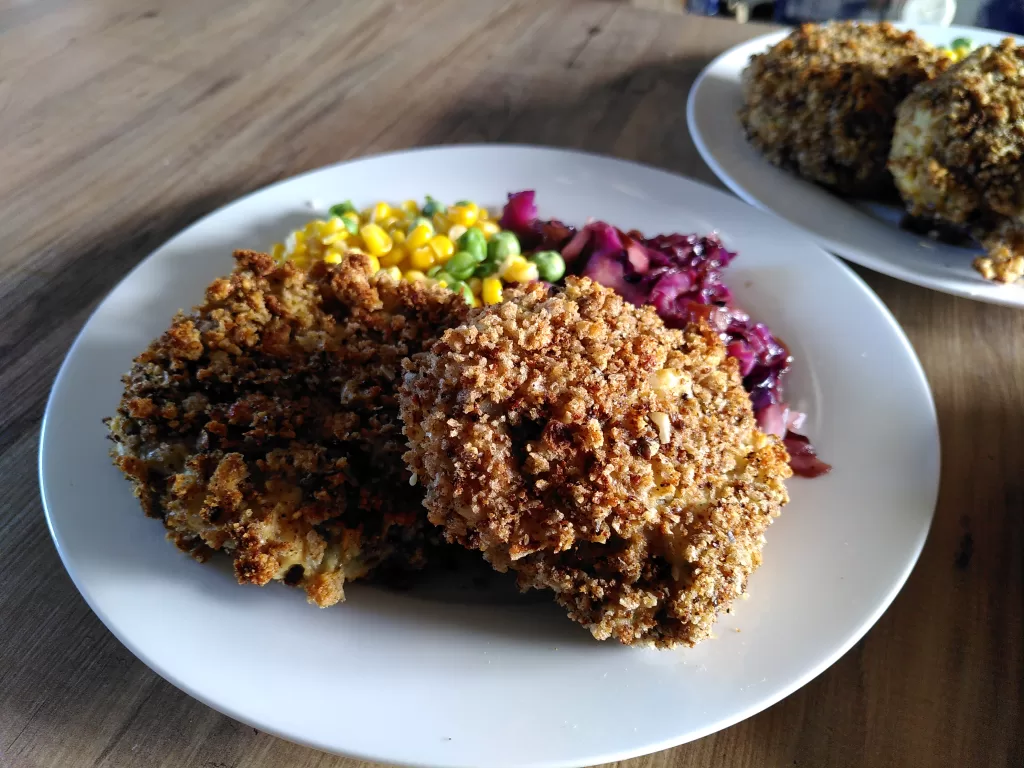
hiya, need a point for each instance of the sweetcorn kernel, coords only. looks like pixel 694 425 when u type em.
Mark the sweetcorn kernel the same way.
pixel 377 241
pixel 443 247
pixel 423 258
pixel 491 291
pixel 489 228
pixel 394 257
pixel 419 236
pixel 466 215
pixel 519 270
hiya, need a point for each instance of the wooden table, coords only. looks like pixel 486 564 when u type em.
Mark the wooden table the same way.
pixel 122 121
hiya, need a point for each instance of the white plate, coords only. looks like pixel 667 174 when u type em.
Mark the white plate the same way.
pixel 865 233
pixel 458 678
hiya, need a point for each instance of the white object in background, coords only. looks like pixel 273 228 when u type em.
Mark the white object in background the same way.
pixel 415 678
pixel 863 232
pixel 939 12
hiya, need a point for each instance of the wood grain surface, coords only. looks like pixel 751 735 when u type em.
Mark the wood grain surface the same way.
pixel 123 121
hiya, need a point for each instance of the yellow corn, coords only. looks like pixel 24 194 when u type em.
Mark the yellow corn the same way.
pixel 382 234
pixel 491 291
pixel 377 241
pixel 423 258
pixel 518 270
pixel 394 257
pixel 466 215
pixel 489 228
pixel 443 247
pixel 419 236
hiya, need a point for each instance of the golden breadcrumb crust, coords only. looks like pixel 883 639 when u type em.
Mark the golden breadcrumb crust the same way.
pixel 958 154
pixel 573 438
pixel 265 423
pixel 822 102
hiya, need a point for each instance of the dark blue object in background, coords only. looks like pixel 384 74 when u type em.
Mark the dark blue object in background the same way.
pixel 1004 15
pixel 702 7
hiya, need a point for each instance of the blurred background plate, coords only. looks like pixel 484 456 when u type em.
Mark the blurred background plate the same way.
pixel 864 232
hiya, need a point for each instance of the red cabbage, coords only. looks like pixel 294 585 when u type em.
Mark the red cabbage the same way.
pixel 681 275
pixel 520 212
pixel 803 458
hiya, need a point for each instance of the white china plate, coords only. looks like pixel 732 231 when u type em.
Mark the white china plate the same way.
pixel 459 677
pixel 866 233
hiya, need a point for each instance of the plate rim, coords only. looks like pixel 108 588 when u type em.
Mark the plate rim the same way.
pixel 863 257
pixel 920 378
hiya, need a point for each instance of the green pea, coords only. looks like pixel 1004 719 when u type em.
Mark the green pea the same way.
pixel 550 265
pixel 433 207
pixel 503 245
pixel 433 271
pixel 466 291
pixel 461 265
pixel 961 42
pixel 462 202
pixel 340 208
pixel 474 241
pixel 447 277
pixel 416 222
pixel 486 268
pixel 351 224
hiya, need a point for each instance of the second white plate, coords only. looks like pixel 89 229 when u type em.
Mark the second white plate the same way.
pixel 865 233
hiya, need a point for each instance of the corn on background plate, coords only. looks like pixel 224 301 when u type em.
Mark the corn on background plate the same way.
pixel 447 675
pixel 866 233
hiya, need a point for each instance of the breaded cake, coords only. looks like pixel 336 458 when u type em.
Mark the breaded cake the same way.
pixel 958 154
pixel 822 102
pixel 264 424
pixel 574 439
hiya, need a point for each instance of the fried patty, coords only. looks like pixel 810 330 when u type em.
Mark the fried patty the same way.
pixel 822 102
pixel 265 424
pixel 958 154
pixel 574 439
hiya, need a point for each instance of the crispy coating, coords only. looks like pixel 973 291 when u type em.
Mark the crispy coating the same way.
pixel 265 423
pixel 822 102
pixel 574 439
pixel 958 154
